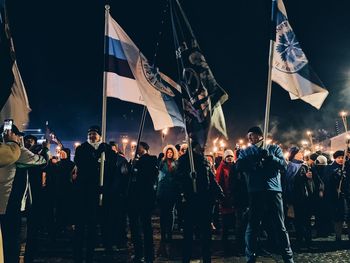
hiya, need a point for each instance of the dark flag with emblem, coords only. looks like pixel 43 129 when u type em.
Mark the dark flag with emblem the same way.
pixel 13 97
pixel 290 67
pixel 203 95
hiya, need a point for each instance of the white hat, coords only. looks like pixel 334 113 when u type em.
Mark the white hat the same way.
pixel 321 160
pixel 228 153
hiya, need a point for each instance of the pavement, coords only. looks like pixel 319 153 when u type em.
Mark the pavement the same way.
pixel 322 250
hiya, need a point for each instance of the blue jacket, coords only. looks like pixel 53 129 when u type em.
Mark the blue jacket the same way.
pixel 262 175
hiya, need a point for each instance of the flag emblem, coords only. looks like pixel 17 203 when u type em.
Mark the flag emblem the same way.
pixel 290 57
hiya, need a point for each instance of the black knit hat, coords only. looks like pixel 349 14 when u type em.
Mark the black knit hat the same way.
pixel 95 128
pixel 144 145
pixel 337 154
pixel 314 156
pixel 255 130
pixel 292 152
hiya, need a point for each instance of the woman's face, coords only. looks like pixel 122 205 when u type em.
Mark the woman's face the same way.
pixel 169 154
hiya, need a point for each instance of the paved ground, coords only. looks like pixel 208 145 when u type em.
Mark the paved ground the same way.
pixel 323 250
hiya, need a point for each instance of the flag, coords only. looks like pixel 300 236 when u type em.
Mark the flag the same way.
pixel 131 78
pixel 203 96
pixel 13 97
pixel 290 67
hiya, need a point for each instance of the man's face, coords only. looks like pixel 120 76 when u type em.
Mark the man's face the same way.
pixel 141 150
pixel 299 156
pixel 114 148
pixel 94 136
pixel 29 143
pixel 253 138
pixel 339 160
pixel 169 154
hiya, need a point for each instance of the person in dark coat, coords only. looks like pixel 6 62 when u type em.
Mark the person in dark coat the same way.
pixel 198 204
pixel 115 202
pixel 141 202
pixel 338 190
pixel 262 164
pixel 87 190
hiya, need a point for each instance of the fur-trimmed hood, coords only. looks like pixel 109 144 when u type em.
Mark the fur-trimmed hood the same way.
pixel 172 147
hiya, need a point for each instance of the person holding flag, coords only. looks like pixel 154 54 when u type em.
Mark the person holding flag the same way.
pixel 262 166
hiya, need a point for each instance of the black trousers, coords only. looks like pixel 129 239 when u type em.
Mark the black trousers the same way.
pixel 167 207
pixel 140 220
pixel 11 227
pixel 197 213
pixel 261 204
pixel 303 212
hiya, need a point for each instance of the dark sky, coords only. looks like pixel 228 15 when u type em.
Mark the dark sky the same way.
pixel 59 48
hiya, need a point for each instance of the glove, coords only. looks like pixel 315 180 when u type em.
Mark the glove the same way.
pixel 264 153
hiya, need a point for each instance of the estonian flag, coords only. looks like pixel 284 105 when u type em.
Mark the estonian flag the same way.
pixel 290 67
pixel 13 97
pixel 131 78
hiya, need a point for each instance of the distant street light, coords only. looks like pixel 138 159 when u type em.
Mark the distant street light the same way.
pixel 343 115
pixel 309 134
pixel 125 143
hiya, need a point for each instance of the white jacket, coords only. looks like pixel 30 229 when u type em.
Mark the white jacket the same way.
pixel 7 174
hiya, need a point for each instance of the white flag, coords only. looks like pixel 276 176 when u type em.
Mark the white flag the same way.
pixel 290 67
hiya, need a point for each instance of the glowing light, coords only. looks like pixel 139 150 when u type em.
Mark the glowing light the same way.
pixel 165 131
pixel 308 133
pixel 343 113
pixel 307 152
pixel 76 144
pixel 58 148
pixel 268 141
pixel 125 141
pixel 304 143
pixel 244 147
pixel 286 155
pixel 240 141
pixel 215 149
pixel 222 144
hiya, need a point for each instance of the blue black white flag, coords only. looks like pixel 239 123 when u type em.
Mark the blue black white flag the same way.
pixel 290 67
pixel 13 97
pixel 131 78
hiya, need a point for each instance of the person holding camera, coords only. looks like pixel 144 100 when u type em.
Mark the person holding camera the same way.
pixel 262 166
pixel 9 149
pixel 13 185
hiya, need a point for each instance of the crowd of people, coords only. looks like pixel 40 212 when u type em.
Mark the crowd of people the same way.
pixel 256 190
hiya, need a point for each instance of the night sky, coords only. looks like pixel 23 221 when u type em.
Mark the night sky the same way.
pixel 59 49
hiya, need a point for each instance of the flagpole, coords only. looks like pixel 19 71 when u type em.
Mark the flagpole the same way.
pixel 269 80
pixel 180 67
pixel 104 107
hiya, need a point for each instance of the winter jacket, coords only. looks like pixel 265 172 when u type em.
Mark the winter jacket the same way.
pixel 262 174
pixel 9 153
pixel 167 186
pixel 223 177
pixel 207 188
pixel 7 174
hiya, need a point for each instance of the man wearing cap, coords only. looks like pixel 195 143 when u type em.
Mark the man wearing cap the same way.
pixel 12 187
pixel 87 159
pixel 338 191
pixel 262 165
pixel 141 201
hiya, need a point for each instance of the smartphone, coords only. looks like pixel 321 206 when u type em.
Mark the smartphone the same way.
pixel 8 125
